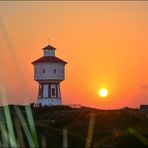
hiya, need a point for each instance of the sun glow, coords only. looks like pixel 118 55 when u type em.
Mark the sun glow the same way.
pixel 103 92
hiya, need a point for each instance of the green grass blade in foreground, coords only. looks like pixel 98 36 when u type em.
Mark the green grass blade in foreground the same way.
pixel 8 117
pixel 25 127
pixel 19 133
pixel 90 130
pixel 7 139
pixel 31 124
pixel 10 126
pixel 65 138
pixel 4 134
pixel 138 136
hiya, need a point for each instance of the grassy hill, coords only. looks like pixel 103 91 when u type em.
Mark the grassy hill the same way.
pixel 124 128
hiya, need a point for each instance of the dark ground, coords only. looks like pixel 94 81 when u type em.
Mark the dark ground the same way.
pixel 124 128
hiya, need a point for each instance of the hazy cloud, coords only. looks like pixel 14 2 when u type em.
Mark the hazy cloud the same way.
pixel 145 87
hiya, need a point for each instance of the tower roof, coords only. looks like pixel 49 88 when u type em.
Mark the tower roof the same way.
pixel 49 47
pixel 47 59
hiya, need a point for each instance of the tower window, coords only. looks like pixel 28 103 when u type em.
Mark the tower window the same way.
pixel 53 92
pixel 35 71
pixel 43 70
pixel 40 90
pixel 55 71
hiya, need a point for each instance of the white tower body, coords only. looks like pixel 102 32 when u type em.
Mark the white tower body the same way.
pixel 49 71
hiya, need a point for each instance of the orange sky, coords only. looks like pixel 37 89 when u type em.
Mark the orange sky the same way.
pixel 104 43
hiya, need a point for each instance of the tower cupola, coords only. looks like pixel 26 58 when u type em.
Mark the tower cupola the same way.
pixel 49 51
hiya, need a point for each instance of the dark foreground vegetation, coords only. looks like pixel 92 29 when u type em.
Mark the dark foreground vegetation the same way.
pixel 64 126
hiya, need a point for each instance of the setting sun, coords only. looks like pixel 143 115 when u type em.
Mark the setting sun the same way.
pixel 103 92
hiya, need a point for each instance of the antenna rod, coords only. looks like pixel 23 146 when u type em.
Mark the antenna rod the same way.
pixel 48 41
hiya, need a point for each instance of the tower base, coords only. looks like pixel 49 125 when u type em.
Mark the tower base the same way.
pixel 49 101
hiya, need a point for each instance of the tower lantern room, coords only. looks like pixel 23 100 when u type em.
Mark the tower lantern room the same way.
pixel 49 71
pixel 49 51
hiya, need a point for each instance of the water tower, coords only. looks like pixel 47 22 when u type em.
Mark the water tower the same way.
pixel 49 71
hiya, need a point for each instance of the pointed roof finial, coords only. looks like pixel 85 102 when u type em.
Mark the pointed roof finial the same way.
pixel 49 41
pixel 49 47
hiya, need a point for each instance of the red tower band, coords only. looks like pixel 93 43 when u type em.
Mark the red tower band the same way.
pixel 52 92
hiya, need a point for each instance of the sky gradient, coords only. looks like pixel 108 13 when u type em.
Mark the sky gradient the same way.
pixel 104 43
